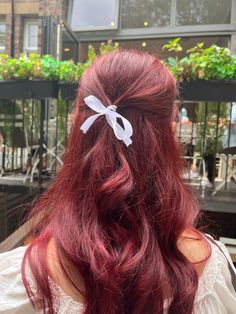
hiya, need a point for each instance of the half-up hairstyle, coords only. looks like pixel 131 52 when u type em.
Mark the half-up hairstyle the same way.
pixel 114 212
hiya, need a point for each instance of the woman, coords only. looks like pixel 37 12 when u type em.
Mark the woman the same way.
pixel 116 232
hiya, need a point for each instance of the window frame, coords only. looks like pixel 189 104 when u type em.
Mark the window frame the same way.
pixel 96 28
pixel 205 25
pixel 147 28
pixel 161 32
pixel 172 28
pixel 166 31
pixel 26 47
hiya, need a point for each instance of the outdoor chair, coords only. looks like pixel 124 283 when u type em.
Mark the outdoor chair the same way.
pixel 47 153
pixel 227 154
pixel 53 149
pixel 15 153
pixel 187 131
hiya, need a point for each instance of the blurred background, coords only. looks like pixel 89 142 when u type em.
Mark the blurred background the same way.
pixel 35 120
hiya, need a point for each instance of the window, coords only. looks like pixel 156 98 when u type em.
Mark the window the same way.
pixel 30 35
pixel 197 12
pixel 2 36
pixel 87 15
pixel 154 46
pixel 141 14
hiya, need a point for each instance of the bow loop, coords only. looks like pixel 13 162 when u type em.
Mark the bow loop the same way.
pixel 122 133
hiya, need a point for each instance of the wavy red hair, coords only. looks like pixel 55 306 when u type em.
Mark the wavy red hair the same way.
pixel 116 212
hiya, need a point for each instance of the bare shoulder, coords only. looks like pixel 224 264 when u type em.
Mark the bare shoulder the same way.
pixel 195 248
pixel 60 278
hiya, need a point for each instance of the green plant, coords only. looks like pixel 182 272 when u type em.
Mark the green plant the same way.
pixel 210 63
pixel 36 67
pixel 50 67
pixel 46 67
pixel 108 47
pixel 213 63
pixel 173 45
pixel 104 48
pixel 173 63
pixel 22 68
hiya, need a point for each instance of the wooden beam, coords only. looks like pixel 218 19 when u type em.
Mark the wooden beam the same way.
pixel 15 238
pixel 27 8
pixel 5 8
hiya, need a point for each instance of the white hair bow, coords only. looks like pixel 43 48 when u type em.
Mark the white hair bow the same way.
pixel 121 133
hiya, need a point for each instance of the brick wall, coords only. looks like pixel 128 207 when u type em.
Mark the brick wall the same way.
pixel 28 9
pixel 8 33
pixel 18 38
pixel 53 7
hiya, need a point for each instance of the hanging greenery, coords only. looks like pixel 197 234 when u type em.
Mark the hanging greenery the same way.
pixel 213 63
pixel 34 67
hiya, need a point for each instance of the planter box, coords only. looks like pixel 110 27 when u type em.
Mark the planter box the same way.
pixel 68 91
pixel 28 89
pixel 208 91
pixel 219 91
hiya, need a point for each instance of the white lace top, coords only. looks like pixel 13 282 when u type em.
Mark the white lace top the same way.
pixel 215 294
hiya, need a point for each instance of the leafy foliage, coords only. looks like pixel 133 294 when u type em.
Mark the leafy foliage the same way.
pixel 46 67
pixel 108 47
pixel 213 63
pixel 173 45
pixel 36 67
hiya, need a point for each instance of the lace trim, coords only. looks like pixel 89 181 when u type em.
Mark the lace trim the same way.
pixel 65 304
pixel 206 283
pixel 209 276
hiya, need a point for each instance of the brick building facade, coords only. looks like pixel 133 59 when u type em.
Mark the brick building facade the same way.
pixel 27 23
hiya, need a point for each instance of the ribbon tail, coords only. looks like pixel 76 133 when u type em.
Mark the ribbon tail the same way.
pixel 87 124
pixel 123 134
pixel 127 141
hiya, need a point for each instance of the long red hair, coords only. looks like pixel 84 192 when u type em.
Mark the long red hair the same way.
pixel 116 212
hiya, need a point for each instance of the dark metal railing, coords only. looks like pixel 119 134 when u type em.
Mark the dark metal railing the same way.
pixel 35 121
pixel 207 131
pixel 33 137
pixel 34 126
pixel 34 130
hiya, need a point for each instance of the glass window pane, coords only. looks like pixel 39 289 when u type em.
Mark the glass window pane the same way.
pixel 154 46
pixel 2 41
pixel 2 28
pixel 2 35
pixel 33 42
pixel 33 30
pixel 197 12
pixel 139 13
pixel 32 35
pixel 94 14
